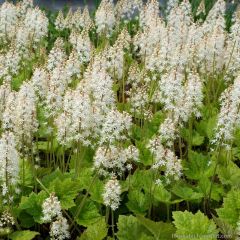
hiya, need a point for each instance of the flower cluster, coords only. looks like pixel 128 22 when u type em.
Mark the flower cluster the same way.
pixel 22 27
pixel 116 53
pixel 105 17
pixel 59 228
pixel 165 160
pixel 228 118
pixel 115 160
pixel 75 123
pixel 51 208
pixel 24 117
pixel 9 163
pixel 82 45
pixel 6 220
pixel 115 127
pixel 111 195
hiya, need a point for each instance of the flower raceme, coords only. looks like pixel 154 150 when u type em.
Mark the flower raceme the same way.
pixel 111 195
pixel 51 208
pixel 228 118
pixel 105 17
pixel 9 164
pixel 114 161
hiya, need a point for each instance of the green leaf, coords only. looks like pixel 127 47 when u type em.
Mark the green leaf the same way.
pixel 231 208
pixel 197 139
pixel 23 235
pixel 160 230
pixel 85 177
pixel 138 202
pixel 141 179
pixel 129 228
pixel 66 190
pixel 157 119
pixel 88 215
pixel 96 191
pixel 189 224
pixel 96 231
pixel 26 220
pixel 144 236
pixel 206 127
pixel 145 156
pixel 28 174
pixel 237 137
pixel 32 205
pixel 229 175
pixel 197 166
pixel 186 192
pixel 204 186
pixel 49 178
pixel 161 194
pixel 149 128
pixel 224 227
pixel 42 171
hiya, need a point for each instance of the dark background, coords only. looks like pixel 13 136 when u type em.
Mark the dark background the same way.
pixel 59 4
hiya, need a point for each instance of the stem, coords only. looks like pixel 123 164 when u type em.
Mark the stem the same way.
pixel 23 173
pixel 51 151
pixel 83 201
pixel 177 206
pixel 107 215
pixel 68 160
pixel 190 135
pixel 123 90
pixel 79 159
pixel 113 233
pixel 180 147
pixel 168 212
pixel 188 206
pixel 151 194
pixel 63 159
pixel 41 184
pixel 205 206
pixel 214 173
pixel 47 153
pixel 69 217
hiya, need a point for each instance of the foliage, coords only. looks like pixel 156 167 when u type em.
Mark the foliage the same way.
pixel 198 225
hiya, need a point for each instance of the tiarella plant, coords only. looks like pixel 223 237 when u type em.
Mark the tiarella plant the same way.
pixel 120 123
